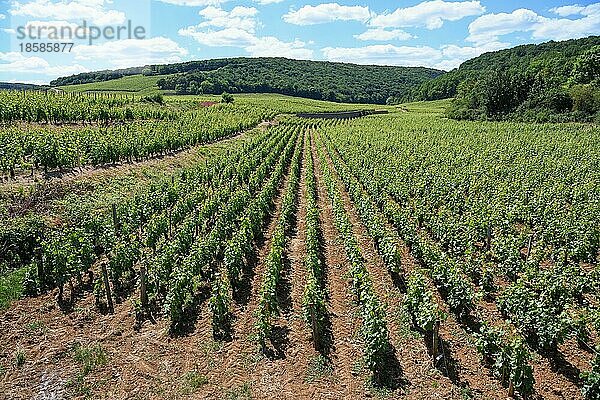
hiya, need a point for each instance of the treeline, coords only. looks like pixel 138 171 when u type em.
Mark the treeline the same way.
pixel 21 86
pixel 554 81
pixel 310 79
pixel 99 76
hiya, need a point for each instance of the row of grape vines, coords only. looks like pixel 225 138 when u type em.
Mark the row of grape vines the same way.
pixel 57 107
pixel 30 148
pixel 374 326
pixel 509 359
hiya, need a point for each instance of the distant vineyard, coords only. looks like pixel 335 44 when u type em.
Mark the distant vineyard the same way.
pixel 138 130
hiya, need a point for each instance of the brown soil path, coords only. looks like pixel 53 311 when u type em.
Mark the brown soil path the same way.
pixel 344 323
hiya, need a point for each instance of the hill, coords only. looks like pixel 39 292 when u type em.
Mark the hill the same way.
pixel 138 84
pixel 310 79
pixel 20 86
pixel 549 81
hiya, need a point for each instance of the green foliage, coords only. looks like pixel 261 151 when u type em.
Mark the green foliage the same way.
pixel 20 357
pixel 147 129
pixel 193 381
pixel 551 59
pixel 90 357
pixel 508 360
pixel 587 67
pixel 449 185
pixel 268 306
pixel 310 79
pixel 586 99
pixel 11 286
pixel 529 83
pixel 374 326
pixel 219 305
pixel 539 315
pixel 591 384
pixel 227 98
pixel 421 304
pixel 315 296
pixel 156 98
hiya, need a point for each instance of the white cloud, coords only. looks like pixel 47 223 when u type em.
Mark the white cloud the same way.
pixel 93 11
pixel 453 56
pixel 2 16
pixel 255 46
pixel 429 14
pixel 204 3
pixel 132 52
pixel 13 62
pixel 239 30
pixel 272 47
pixel 488 28
pixel 384 35
pixel 446 57
pixel 329 12
pixel 566 11
pixel 240 17
pixel 229 37
pixel 383 54
pixel 195 3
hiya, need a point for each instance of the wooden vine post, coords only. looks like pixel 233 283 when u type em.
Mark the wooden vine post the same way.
pixel 529 247
pixel 115 219
pixel 511 389
pixel 40 267
pixel 436 334
pixel 143 293
pixel 109 300
pixel 488 242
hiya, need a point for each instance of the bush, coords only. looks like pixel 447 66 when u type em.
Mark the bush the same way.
pixel 586 99
pixel 226 98
pixel 156 98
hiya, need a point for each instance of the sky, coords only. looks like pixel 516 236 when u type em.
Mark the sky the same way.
pixel 434 33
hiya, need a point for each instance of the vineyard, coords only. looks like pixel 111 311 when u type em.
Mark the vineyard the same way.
pixel 397 256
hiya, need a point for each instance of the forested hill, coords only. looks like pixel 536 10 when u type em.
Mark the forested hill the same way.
pixel 311 79
pixel 549 81
pixel 556 58
pixel 20 86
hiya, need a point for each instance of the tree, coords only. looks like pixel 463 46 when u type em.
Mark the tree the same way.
pixel 194 87
pixel 585 99
pixel 587 67
pixel 226 98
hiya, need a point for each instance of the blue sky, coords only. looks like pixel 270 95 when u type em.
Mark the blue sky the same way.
pixel 434 33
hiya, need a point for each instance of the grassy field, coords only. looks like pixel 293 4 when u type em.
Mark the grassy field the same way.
pixel 432 107
pixel 137 84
